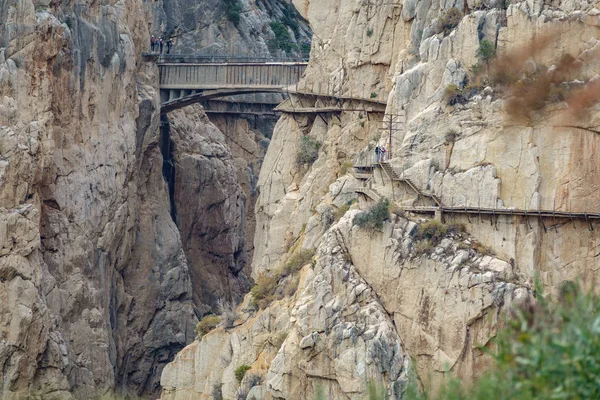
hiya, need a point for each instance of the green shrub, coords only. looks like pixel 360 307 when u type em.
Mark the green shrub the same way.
pixel 369 32
pixel 486 51
pixel 449 20
pixel 373 95
pixel 240 372
pixel 432 230
pixel 233 8
pixel 308 151
pixel 283 39
pixel 296 262
pixel 374 218
pixel 206 324
pixel 264 292
pixel 546 351
pixel 454 95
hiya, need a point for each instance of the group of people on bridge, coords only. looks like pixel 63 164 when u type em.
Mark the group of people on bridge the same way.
pixel 380 153
pixel 157 44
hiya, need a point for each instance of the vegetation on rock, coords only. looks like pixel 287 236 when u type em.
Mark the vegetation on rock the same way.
pixel 267 287
pixel 241 371
pixel 449 20
pixel 430 233
pixel 486 51
pixel 549 350
pixel 283 39
pixel 374 218
pixel 454 95
pixel 233 10
pixel 308 151
pixel 206 324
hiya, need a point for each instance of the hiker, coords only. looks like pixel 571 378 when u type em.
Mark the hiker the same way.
pixel 377 153
pixel 169 45
pixel 161 42
pixel 383 152
pixel 152 43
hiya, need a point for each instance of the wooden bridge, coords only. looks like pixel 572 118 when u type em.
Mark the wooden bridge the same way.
pixel 190 79
pixel 185 80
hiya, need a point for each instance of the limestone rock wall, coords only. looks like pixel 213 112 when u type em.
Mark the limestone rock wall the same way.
pixel 205 28
pixel 96 294
pixel 474 155
pixel 369 303
pixel 332 337
pixel 208 207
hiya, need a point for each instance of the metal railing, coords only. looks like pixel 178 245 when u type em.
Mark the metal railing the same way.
pixel 220 58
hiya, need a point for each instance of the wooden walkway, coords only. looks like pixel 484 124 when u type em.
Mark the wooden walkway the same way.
pixel 439 208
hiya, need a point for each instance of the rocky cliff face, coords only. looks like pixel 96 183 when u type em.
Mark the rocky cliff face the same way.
pixel 443 302
pixel 96 292
pixel 238 27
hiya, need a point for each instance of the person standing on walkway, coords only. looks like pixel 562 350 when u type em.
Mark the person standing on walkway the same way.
pixel 161 42
pixel 169 45
pixel 152 43
pixel 377 153
pixel 382 152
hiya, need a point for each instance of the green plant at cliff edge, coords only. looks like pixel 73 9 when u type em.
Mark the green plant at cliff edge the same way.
pixel 374 218
pixel 241 371
pixel 547 350
pixel 206 324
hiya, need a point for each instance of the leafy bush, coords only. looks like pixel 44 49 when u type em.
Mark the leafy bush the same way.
pixel 233 9
pixel 432 230
pixel 296 262
pixel 546 351
pixel 369 32
pixel 454 95
pixel 486 51
pixel 266 288
pixel 449 20
pixel 373 95
pixel 373 219
pixel 263 291
pixel 206 324
pixel 241 371
pixel 283 39
pixel 308 151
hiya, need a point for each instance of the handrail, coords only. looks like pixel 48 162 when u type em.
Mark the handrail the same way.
pixel 218 58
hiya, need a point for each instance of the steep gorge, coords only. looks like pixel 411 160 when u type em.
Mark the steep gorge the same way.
pixel 117 234
pixel 371 300
pixel 120 228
